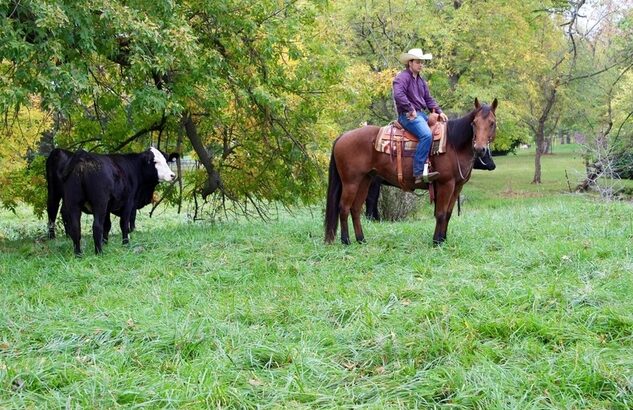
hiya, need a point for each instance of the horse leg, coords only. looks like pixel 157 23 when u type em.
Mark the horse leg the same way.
pixel 451 205
pixel 347 198
pixel 357 207
pixel 443 195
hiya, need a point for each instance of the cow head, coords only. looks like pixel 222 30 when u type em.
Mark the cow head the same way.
pixel 485 162
pixel 162 169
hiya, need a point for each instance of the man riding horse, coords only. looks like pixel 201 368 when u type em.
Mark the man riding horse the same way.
pixel 412 97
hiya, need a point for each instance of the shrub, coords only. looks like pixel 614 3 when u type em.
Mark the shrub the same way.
pixel 623 165
pixel 395 204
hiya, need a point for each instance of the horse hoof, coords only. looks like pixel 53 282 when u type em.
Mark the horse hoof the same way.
pixel 361 240
pixel 346 241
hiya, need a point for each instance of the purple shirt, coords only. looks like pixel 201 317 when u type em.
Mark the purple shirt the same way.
pixel 412 93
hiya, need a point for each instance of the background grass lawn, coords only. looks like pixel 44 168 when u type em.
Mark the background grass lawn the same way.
pixel 527 305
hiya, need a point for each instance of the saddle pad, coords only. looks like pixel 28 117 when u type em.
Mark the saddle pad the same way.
pixel 389 137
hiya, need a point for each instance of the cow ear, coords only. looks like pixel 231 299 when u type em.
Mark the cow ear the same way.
pixel 173 156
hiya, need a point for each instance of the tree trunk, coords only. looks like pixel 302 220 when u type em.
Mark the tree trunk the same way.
pixel 537 158
pixel 540 134
pixel 213 181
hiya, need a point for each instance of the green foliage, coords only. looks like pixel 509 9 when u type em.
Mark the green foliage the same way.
pixel 255 76
pixel 269 84
pixel 26 184
pixel 479 49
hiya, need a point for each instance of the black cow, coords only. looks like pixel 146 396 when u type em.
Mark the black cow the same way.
pixel 55 164
pixel 103 184
pixel 485 162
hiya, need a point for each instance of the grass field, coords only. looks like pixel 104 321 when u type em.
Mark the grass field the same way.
pixel 527 305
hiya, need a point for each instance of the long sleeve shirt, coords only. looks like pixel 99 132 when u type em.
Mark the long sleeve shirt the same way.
pixel 412 93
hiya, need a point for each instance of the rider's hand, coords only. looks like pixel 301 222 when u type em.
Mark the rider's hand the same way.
pixel 411 115
pixel 443 117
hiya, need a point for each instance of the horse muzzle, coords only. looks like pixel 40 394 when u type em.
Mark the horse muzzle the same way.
pixel 480 151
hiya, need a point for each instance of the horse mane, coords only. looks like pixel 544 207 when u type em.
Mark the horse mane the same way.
pixel 460 130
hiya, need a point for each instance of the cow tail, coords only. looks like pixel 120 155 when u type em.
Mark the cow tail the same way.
pixel 332 207
pixel 72 163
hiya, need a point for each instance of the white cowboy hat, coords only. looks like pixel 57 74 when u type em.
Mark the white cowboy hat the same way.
pixel 414 54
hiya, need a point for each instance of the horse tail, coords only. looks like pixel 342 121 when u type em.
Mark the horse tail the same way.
pixel 332 207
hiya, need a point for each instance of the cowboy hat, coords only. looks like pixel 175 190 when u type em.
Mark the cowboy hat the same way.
pixel 414 54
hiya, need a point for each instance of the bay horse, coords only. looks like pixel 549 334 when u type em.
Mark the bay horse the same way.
pixel 355 161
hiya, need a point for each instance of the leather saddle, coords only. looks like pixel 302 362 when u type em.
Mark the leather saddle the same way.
pixel 394 140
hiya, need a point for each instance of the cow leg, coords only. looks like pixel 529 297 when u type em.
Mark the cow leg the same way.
pixel 98 224
pixel 357 207
pixel 52 207
pixel 133 220
pixel 371 203
pixel 72 216
pixel 64 221
pixel 125 225
pixel 347 198
pixel 107 225
pixel 443 195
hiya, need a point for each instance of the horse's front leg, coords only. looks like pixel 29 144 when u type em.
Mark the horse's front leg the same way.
pixel 357 207
pixel 444 194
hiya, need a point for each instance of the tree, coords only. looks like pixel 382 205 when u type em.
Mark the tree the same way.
pixel 608 149
pixel 245 82
pixel 572 63
pixel 477 49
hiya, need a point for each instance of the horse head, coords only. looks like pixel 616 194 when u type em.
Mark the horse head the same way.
pixel 484 127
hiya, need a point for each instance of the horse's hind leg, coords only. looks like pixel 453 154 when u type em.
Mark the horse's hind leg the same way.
pixel 347 198
pixel 357 207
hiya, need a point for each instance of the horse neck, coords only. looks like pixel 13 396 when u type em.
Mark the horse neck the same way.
pixel 460 133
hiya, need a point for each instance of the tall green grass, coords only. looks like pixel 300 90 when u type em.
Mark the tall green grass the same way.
pixel 527 305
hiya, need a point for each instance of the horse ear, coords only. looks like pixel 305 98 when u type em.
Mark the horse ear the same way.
pixel 477 105
pixel 494 105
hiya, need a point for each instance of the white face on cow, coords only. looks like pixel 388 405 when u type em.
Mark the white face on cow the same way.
pixel 163 170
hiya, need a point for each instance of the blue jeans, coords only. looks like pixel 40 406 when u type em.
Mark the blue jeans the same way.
pixel 420 129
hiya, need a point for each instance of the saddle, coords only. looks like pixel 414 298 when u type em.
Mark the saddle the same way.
pixel 394 140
